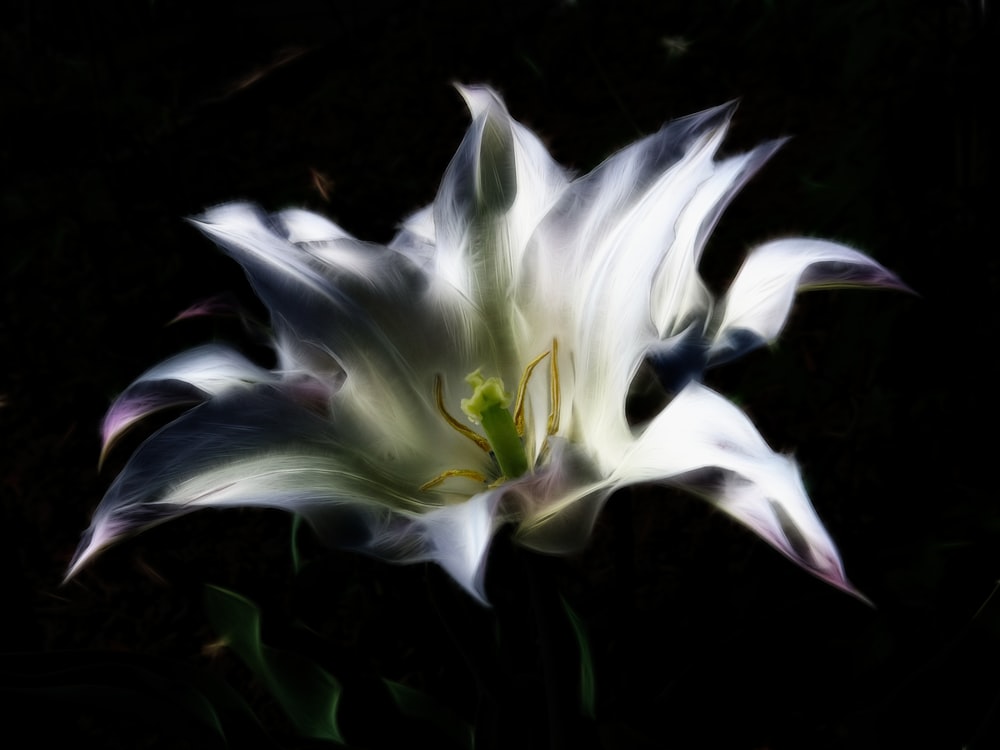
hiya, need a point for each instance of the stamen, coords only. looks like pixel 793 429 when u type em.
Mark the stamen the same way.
pixel 467 473
pixel 522 389
pixel 488 407
pixel 554 392
pixel 475 437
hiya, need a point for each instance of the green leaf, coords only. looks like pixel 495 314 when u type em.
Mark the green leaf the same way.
pixel 588 687
pixel 307 693
pixel 418 705
pixel 296 557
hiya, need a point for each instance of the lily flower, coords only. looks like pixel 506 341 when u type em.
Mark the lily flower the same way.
pixel 474 371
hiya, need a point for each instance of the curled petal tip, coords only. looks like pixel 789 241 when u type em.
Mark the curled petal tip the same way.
pixel 478 97
pixel 858 595
pixel 103 532
pixel 217 305
pixel 892 281
pixel 74 567
pixel 817 556
pixel 839 581
pixel 761 295
pixel 84 552
pixel 105 450
pixel 459 538
pixel 138 403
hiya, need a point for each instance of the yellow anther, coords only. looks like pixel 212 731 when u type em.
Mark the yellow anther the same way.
pixel 554 393
pixel 509 451
pixel 467 473
pixel 552 424
pixel 522 389
pixel 475 437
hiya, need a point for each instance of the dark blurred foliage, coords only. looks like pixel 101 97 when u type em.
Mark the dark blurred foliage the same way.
pixel 121 118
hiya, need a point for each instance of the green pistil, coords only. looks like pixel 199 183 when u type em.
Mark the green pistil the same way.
pixel 488 406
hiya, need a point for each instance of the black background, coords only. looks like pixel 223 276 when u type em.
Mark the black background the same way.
pixel 119 119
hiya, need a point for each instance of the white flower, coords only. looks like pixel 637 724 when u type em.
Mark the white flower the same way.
pixel 547 292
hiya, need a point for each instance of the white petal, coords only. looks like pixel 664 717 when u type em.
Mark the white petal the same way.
pixel 572 242
pixel 211 368
pixel 345 307
pixel 757 304
pixel 306 227
pixel 496 189
pixel 539 179
pixel 261 447
pixel 361 304
pixel 679 296
pixel 184 379
pixel 457 537
pixel 416 238
pixel 699 430
pixel 592 262
pixel 252 446
pixel 261 245
pixel 557 505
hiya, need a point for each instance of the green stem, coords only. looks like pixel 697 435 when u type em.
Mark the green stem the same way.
pixel 498 424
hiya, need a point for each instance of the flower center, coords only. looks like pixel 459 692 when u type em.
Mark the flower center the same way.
pixel 488 407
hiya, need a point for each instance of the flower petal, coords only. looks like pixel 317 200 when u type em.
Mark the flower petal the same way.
pixel 700 430
pixel 578 235
pixel 679 296
pixel 457 537
pixel 756 307
pixel 260 447
pixel 306 227
pixel 340 306
pixel 187 378
pixel 495 191
pixel 416 238
pixel 592 262
pixel 557 505
pixel 219 305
